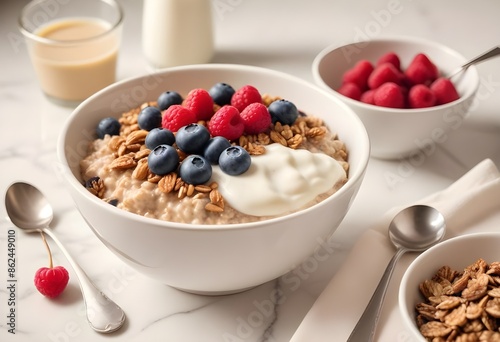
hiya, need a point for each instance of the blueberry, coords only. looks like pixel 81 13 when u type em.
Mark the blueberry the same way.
pixel 159 136
pixel 109 126
pixel 195 170
pixel 221 93
pixel 163 159
pixel 168 98
pixel 234 160
pixel 192 138
pixel 149 118
pixel 214 147
pixel 283 111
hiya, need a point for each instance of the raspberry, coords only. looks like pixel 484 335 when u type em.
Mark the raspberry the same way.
pixel 358 74
pixel 200 103
pixel 421 70
pixel 420 96
pixel 176 116
pixel 51 282
pixel 444 90
pixel 227 123
pixel 390 57
pixel 367 97
pixel 389 95
pixel 351 90
pixel 384 73
pixel 244 96
pixel 256 118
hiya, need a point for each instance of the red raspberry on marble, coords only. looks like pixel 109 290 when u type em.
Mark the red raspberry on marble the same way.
pixel 256 118
pixel 421 96
pixel 351 90
pixel 227 123
pixel 390 57
pixel 368 97
pixel 359 74
pixel 51 282
pixel 389 95
pixel 200 103
pixel 244 96
pixel 385 72
pixel 421 70
pixel 177 116
pixel 444 90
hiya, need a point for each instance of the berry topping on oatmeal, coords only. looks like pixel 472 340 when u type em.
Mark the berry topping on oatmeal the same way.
pixel 256 118
pixel 221 93
pixel 176 116
pixel 159 136
pixel 244 96
pixel 149 118
pixel 191 139
pixel 283 111
pixel 227 123
pixel 184 170
pixel 214 148
pixel 169 98
pixel 195 170
pixel 234 160
pixel 110 126
pixel 200 103
pixel 163 159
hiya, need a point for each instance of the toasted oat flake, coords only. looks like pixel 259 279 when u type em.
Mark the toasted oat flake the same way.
pixel 470 313
pixel 123 162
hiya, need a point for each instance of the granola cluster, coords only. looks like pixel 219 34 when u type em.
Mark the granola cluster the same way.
pixel 461 306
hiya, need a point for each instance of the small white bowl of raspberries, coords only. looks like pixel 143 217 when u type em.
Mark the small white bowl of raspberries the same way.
pixel 400 89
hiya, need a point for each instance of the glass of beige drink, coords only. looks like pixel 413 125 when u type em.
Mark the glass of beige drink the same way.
pixel 73 45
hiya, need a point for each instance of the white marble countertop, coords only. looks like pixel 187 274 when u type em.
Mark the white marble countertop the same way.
pixel 284 35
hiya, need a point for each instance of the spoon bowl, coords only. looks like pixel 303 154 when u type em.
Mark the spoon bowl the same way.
pixel 417 228
pixel 413 229
pixel 27 207
pixel 30 211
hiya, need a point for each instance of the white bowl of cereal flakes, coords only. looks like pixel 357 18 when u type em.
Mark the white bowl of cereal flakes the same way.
pixel 213 178
pixel 451 292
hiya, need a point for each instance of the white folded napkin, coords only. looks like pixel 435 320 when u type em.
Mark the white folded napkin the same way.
pixel 470 204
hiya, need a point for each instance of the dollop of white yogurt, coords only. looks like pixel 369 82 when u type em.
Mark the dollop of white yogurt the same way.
pixel 279 181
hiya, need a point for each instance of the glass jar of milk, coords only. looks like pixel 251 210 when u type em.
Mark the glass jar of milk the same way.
pixel 177 32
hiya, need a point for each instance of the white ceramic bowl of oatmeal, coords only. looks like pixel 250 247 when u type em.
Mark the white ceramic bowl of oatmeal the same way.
pixel 212 258
pixel 458 253
pixel 394 132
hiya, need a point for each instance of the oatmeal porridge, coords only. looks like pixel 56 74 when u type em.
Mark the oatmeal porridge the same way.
pixel 284 164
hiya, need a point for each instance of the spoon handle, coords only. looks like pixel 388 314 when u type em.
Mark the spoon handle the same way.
pixel 365 328
pixel 495 51
pixel 103 314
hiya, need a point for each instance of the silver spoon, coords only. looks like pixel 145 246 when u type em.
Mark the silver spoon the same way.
pixel 29 210
pixel 495 51
pixel 414 229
